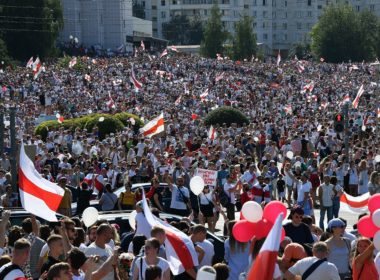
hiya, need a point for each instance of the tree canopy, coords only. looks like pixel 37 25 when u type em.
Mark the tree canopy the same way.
pixel 180 30
pixel 214 35
pixel 30 28
pixel 244 42
pixel 341 34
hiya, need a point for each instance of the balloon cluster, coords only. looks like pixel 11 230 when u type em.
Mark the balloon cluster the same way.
pixel 256 222
pixel 369 225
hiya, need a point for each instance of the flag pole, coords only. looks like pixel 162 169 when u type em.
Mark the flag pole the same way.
pixel 13 148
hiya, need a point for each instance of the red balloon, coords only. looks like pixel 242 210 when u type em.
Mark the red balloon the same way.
pixel 243 231
pixel 273 209
pixel 366 227
pixel 262 229
pixel 374 203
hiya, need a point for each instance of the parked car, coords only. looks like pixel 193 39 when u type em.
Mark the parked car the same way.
pixel 121 218
pixel 19 214
pixel 163 188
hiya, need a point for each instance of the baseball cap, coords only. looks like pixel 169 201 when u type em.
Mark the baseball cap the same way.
pixel 335 223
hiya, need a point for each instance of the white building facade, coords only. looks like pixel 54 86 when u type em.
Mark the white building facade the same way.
pixel 279 24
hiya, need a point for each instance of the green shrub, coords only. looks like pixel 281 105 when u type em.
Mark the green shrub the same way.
pixel 227 115
pixel 111 123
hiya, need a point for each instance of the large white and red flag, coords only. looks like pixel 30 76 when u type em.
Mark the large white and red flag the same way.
pixel 354 204
pixel 204 94
pixel 180 251
pixel 29 64
pixel 178 100
pixel 94 181
pixel 212 133
pixel 355 103
pixel 154 127
pixel 174 49
pixel 37 68
pixel 266 260
pixel 134 80
pixel 219 77
pixel 38 195
pixel 165 52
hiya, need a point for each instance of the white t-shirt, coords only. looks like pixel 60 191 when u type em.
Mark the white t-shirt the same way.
pixel 163 264
pixel 325 271
pixel 104 254
pixel 140 149
pixel 205 198
pixel 305 187
pixel 226 187
pixel 143 226
pixel 177 198
pixel 13 274
pixel 208 248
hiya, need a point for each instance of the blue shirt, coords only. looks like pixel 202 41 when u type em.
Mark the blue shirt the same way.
pixel 237 261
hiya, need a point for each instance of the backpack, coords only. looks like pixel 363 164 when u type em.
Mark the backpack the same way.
pixel 8 269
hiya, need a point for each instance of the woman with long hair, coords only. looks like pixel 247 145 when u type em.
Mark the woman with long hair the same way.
pixel 363 266
pixel 236 254
pixel 374 183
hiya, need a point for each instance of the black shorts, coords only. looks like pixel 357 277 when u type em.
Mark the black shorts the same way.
pixel 207 210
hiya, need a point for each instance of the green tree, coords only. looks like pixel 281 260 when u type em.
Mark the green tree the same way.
pixel 335 37
pixel 368 35
pixel 30 27
pixel 244 41
pixel 213 36
pixel 4 54
pixel 301 50
pixel 182 31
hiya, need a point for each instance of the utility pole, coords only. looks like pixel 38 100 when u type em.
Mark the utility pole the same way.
pixel 346 132
pixel 13 158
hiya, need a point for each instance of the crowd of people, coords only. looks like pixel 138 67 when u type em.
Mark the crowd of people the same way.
pixel 289 152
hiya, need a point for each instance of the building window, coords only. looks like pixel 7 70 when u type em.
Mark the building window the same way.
pixel 309 2
pixel 273 15
pixel 372 8
pixel 358 8
pixel 274 25
pixel 254 24
pixel 299 14
pixel 154 7
pixel 205 12
pixel 246 7
pixel 143 4
pixel 285 37
pixel 264 3
pixel 284 26
pixel 154 18
pixel 265 14
pixel 309 14
pixel 265 36
pixel 274 37
pixel 319 7
pixel 286 3
pixel 299 25
pixel 162 2
pixel 263 24
pixel 255 13
pixel 254 2
pixel 163 14
pixel 154 29
pixel 273 3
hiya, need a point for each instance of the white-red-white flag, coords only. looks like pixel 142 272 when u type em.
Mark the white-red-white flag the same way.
pixel 219 57
pixel 174 49
pixel 378 112
pixel 29 64
pixel 178 101
pixel 355 103
pixel 266 260
pixel 288 109
pixel 204 94
pixel 212 133
pixel 300 67
pixel 180 251
pixel 38 195
pixel 37 68
pixel 60 118
pixel 142 45
pixel 354 204
pixel 134 80
pixel 72 62
pixel 308 87
pixel 87 77
pixel 165 52
pixel 110 103
pixel 219 77
pixel 278 58
pixel 94 181
pixel 154 127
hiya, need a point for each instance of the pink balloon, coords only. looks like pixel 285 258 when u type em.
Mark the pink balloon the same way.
pixel 374 203
pixel 243 231
pixel 366 227
pixel 273 209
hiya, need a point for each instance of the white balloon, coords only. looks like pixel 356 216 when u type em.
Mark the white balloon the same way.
pixel 197 184
pixel 377 158
pixel 57 115
pixel 289 154
pixel 376 217
pixel 252 211
pixel 319 127
pixel 90 111
pixel 364 128
pixel 90 216
pixel 256 139
pixel 376 240
pixel 101 119
pixel 132 219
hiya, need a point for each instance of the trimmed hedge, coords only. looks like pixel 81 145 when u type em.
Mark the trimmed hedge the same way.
pixel 111 124
pixel 227 115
